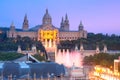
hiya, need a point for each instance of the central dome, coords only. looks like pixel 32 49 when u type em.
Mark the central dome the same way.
pixel 47 18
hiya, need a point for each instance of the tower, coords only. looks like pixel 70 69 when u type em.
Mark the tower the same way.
pixel 12 32
pixel 66 23
pixel 62 24
pixel 47 18
pixel 81 30
pixel 81 47
pixel 81 27
pixel 76 48
pixel 105 49
pixel 25 23
pixel 97 49
pixel 12 27
pixel 19 49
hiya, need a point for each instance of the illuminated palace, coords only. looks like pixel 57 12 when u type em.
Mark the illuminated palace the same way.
pixel 47 33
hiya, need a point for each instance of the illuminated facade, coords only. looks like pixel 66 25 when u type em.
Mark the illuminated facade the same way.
pixel 48 34
pixel 117 65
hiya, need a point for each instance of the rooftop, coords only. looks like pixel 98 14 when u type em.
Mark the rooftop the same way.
pixel 20 69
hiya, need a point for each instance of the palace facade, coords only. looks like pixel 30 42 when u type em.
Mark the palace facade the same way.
pixel 47 33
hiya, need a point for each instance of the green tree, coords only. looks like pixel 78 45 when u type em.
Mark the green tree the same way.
pixel 8 56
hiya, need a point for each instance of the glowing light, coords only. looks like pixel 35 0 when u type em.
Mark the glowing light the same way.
pixel 105 73
pixel 69 58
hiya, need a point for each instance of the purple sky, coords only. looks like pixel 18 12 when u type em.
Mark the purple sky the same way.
pixel 98 16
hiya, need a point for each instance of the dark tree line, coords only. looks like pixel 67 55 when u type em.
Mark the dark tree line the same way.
pixel 11 44
pixel 112 42
pixel 103 59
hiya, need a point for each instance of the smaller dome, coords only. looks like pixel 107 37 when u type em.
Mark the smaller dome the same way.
pixel 47 16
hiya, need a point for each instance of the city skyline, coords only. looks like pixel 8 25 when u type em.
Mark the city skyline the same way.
pixel 97 16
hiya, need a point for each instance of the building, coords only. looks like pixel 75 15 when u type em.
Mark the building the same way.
pixel 32 51
pixel 47 33
pixel 117 65
pixel 29 71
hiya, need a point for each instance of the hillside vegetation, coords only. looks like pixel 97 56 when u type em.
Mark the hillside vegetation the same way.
pixel 8 56
pixel 112 42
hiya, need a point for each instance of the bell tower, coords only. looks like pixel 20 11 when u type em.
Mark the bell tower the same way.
pixel 66 23
pixel 81 27
pixel 62 25
pixel 25 26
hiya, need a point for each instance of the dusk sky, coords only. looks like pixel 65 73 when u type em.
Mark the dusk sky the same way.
pixel 98 16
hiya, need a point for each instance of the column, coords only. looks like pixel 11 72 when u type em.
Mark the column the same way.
pixel 50 44
pixel 54 44
pixel 45 42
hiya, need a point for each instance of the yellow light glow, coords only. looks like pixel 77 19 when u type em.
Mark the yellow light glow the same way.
pixel 48 34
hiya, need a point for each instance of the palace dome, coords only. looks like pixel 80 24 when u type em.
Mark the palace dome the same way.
pixel 46 16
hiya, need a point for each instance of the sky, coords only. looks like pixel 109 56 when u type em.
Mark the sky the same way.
pixel 97 16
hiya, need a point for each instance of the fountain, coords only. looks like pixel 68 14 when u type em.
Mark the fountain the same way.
pixel 72 61
pixel 67 58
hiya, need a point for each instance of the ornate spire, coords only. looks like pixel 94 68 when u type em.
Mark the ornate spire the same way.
pixel 66 17
pixel 62 24
pixel 25 23
pixel 81 23
pixel 62 21
pixel 25 18
pixel 66 23
pixel 46 11
pixel 12 27
pixel 80 28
